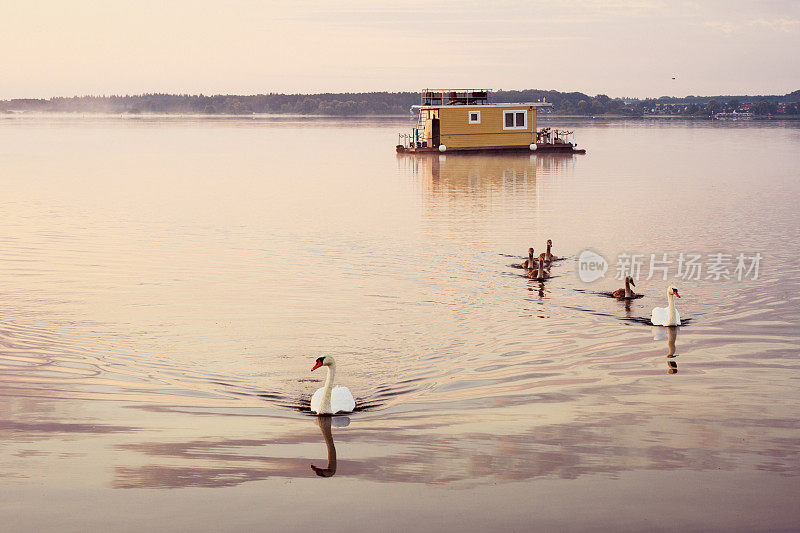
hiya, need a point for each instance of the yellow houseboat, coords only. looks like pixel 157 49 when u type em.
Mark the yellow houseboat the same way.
pixel 468 120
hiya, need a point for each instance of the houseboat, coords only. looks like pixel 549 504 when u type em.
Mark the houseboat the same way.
pixel 467 120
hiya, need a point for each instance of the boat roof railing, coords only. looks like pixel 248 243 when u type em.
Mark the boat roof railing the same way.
pixel 456 96
pixel 467 97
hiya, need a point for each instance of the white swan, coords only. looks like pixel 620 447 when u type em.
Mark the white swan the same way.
pixel 667 316
pixel 330 400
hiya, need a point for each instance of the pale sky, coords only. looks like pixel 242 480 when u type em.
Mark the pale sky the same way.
pixel 615 47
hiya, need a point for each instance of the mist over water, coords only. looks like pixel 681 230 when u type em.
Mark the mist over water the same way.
pixel 166 284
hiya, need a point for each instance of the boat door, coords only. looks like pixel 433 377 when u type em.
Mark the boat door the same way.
pixel 435 132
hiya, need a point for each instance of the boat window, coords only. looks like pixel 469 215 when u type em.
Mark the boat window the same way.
pixel 474 117
pixel 515 120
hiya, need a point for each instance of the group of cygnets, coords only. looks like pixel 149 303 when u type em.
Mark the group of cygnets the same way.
pixel 539 273
pixel 539 269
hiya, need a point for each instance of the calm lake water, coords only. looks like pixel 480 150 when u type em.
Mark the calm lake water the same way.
pixel 166 284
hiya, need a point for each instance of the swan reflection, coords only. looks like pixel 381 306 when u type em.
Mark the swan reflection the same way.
pixel 325 422
pixel 671 333
pixel 539 289
pixel 628 308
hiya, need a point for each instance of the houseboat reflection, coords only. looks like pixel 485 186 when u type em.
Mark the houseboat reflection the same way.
pixel 466 172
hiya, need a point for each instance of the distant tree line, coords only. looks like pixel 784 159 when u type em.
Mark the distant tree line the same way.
pixel 397 103
pixel 381 103
pixel 762 107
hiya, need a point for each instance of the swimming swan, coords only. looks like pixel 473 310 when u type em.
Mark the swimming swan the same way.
pixel 330 400
pixel 530 262
pixel 625 293
pixel 667 316
pixel 540 274
pixel 547 256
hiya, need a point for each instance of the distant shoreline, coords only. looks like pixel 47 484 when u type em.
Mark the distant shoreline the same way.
pixel 134 116
pixel 399 104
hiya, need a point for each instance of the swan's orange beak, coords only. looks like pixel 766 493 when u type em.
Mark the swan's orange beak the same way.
pixel 675 292
pixel 319 364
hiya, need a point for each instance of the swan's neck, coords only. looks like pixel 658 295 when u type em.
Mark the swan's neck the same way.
pixel 540 273
pixel 548 255
pixel 672 318
pixel 628 292
pixel 326 393
pixel 530 259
